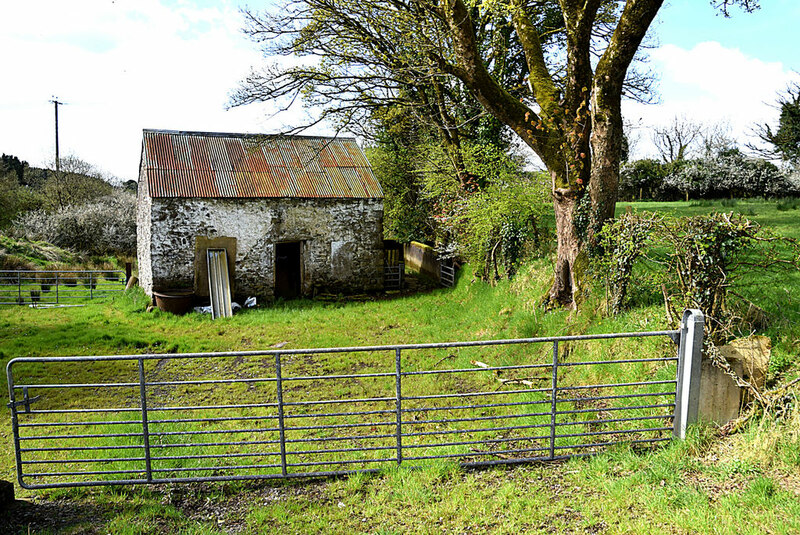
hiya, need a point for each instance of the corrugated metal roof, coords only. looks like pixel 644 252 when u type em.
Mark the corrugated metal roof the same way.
pixel 204 164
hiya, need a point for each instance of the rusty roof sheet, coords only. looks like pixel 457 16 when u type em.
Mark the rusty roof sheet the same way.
pixel 203 164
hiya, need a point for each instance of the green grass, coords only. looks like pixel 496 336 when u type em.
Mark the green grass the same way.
pixel 619 492
pixel 25 254
pixel 778 215
pixel 746 483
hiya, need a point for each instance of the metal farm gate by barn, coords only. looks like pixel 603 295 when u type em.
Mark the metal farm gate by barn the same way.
pixel 58 288
pixel 160 418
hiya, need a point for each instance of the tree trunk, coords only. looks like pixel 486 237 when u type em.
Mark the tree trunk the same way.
pixel 606 152
pixel 573 242
pixel 565 283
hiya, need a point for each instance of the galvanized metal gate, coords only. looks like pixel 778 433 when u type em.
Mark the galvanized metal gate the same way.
pixel 447 274
pixel 50 288
pixel 161 418
pixel 394 276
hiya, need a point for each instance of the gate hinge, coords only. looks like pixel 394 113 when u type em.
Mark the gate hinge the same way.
pixel 676 337
pixel 25 401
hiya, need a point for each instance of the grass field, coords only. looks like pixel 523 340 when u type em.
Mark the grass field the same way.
pixel 743 483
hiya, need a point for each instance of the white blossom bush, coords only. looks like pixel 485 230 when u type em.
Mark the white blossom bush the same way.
pixel 103 226
pixel 732 174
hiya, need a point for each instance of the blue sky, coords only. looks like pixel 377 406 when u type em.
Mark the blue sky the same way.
pixel 716 70
pixel 768 33
pixel 125 65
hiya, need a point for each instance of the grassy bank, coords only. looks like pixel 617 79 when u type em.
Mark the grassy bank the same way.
pixel 25 254
pixel 743 483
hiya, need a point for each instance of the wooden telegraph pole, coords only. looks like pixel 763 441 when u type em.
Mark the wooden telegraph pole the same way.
pixel 56 103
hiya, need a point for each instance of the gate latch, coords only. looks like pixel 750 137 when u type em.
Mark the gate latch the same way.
pixel 25 401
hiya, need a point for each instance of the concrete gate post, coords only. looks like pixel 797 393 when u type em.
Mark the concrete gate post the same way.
pixel 687 398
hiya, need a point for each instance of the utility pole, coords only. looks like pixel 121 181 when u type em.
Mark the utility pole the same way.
pixel 58 161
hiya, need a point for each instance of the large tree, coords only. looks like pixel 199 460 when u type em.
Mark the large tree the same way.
pixel 552 71
pixel 677 140
pixel 784 142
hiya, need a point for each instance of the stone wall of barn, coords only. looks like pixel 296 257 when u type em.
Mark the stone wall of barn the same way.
pixel 144 207
pixel 341 252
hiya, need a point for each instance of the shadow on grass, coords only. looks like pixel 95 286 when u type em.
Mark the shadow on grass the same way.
pixel 51 516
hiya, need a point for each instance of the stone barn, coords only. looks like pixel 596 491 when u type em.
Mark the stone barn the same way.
pixel 297 215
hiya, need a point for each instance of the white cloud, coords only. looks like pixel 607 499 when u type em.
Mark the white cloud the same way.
pixel 130 64
pixel 710 84
pixel 120 67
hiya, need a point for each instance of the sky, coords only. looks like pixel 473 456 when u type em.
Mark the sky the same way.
pixel 718 71
pixel 123 65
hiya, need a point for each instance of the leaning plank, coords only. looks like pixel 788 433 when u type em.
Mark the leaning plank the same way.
pixel 219 284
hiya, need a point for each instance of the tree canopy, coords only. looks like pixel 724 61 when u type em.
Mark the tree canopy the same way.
pixel 784 142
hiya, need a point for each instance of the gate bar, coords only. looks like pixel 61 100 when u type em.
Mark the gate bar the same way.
pixel 145 425
pixel 353 349
pixel 399 407
pixel 14 421
pixel 281 428
pixel 554 401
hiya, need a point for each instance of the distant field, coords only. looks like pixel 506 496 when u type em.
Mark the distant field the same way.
pixel 747 483
pixel 782 216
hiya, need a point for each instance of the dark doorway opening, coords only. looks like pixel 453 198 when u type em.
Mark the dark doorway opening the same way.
pixel 288 270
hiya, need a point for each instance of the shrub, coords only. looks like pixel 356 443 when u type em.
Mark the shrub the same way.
pixel 104 226
pixel 731 174
pixel 623 241
pixel 498 227
pixel 14 262
pixel 641 179
pixel 703 255
pixel 495 226
pixel 15 198
pixel 693 261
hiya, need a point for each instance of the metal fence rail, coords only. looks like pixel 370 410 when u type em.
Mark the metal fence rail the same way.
pixel 46 288
pixel 271 414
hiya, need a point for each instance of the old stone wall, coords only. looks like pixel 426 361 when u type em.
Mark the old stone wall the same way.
pixel 342 241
